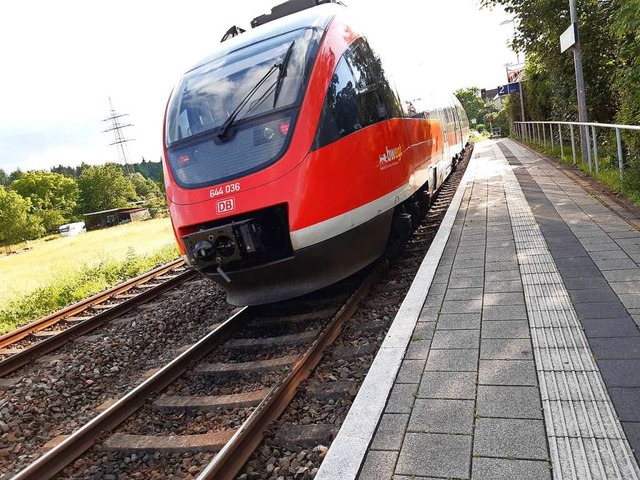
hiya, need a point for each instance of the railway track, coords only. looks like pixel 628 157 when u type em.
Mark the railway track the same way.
pixel 25 344
pixel 291 356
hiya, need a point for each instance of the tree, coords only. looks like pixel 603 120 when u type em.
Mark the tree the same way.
pixel 4 178
pixel 146 188
pixel 16 174
pixel 16 223
pixel 53 197
pixel 473 104
pixel 103 188
pixel 550 78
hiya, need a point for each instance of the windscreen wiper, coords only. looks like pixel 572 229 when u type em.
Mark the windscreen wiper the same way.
pixel 222 132
pixel 282 73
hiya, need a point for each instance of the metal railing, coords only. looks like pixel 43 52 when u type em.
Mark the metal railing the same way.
pixel 535 131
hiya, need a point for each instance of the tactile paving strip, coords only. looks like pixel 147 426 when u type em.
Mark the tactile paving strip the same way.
pixel 585 437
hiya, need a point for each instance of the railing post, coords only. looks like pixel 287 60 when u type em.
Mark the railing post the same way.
pixel 560 138
pixel 588 142
pixel 544 135
pixel 551 132
pixel 619 142
pixel 573 144
pixel 595 146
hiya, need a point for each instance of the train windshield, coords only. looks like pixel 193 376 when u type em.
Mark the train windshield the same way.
pixel 260 87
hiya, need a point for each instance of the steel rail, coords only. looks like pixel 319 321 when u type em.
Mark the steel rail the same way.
pixel 56 459
pixel 71 310
pixel 27 355
pixel 230 460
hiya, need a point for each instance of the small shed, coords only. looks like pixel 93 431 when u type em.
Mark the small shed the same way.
pixel 115 216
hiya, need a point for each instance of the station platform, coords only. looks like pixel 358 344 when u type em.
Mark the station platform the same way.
pixel 516 353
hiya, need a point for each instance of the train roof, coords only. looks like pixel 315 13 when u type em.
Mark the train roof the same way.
pixel 316 17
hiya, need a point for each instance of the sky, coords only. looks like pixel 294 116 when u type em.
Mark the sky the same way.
pixel 61 62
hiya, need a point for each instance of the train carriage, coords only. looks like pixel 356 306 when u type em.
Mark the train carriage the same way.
pixel 290 156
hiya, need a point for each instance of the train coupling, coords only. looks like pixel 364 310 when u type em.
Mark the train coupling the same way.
pixel 219 246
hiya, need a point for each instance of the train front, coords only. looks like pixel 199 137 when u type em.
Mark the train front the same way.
pixel 233 164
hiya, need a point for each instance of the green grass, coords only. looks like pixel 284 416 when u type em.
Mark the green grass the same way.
pixel 608 172
pixel 59 271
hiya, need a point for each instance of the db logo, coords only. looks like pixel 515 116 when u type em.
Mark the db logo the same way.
pixel 224 206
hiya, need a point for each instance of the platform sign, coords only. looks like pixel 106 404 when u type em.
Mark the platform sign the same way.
pixel 568 38
pixel 504 90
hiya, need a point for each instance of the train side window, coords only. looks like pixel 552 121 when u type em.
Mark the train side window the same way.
pixel 339 115
pixel 359 95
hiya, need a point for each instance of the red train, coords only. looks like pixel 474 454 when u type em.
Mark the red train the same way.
pixel 290 157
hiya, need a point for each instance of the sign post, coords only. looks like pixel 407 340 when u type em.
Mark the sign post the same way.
pixel 571 38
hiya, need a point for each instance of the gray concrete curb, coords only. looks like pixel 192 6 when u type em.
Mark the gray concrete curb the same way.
pixel 347 452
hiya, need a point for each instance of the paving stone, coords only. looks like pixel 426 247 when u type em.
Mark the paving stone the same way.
pixel 593 295
pixel 500 266
pixel 509 469
pixel 632 431
pixel 437 288
pixel 610 327
pixel 509 402
pixel 506 349
pixel 390 431
pixel 466 282
pixel 616 264
pixel 435 455
pixel 434 300
pixel 410 371
pixel 501 312
pixel 627 403
pixel 568 252
pixel 442 416
pixel 630 300
pixel 507 372
pixel 507 286
pixel 445 339
pixel 505 329
pixel 600 310
pixel 429 314
pixel 467 271
pixel 378 465
pixel 453 360
pixel 632 275
pixel 574 262
pixel 452 385
pixel 464 263
pixel 401 398
pixel 626 287
pixel 510 438
pixel 570 272
pixel 459 321
pixel 462 306
pixel 424 330
pixel 620 373
pixel 491 299
pixel 586 283
pixel 418 349
pixel 615 348
pixel 464 294
pixel 507 275
pixel 609 255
